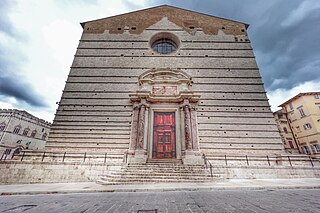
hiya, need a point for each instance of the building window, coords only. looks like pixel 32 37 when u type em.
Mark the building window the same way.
pixel 164 46
pixel 26 131
pixel 164 43
pixel 291 144
pixel 307 126
pixel 315 148
pixel 291 106
pixel 285 130
pixel 33 133
pixel 316 96
pixel 301 112
pixel 44 136
pixel 305 150
pixel 2 127
pixel 16 130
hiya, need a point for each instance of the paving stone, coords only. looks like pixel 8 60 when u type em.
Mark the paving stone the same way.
pixel 294 200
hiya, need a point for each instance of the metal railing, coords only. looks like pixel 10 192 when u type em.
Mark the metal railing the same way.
pixel 210 160
pixel 251 160
pixel 42 156
pixel 206 162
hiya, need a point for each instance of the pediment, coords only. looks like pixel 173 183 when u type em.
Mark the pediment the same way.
pixel 167 76
pixel 164 85
pixel 164 24
pixel 186 20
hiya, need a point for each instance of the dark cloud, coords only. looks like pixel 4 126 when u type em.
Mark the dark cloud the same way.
pixel 287 47
pixel 5 25
pixel 11 87
pixel 12 84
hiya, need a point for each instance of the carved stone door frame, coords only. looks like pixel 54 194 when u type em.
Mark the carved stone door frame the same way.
pixel 165 90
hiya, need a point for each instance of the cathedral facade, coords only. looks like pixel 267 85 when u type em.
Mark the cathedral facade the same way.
pixel 164 83
pixel 161 95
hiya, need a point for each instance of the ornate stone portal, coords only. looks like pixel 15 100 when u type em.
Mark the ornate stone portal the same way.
pixel 174 133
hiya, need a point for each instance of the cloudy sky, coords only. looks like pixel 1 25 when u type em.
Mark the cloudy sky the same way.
pixel 38 39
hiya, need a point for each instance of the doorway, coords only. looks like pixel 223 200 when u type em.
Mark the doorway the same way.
pixel 164 135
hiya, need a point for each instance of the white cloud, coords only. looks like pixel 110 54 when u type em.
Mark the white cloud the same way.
pixel 138 2
pixel 279 96
pixel 62 45
pixel 7 102
pixel 297 15
pixel 52 31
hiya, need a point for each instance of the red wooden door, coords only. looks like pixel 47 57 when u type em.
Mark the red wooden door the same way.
pixel 164 135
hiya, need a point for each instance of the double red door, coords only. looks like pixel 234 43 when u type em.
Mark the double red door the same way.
pixel 164 135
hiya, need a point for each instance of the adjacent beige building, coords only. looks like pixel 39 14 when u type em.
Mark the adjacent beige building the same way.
pixel 303 113
pixel 20 129
pixel 287 137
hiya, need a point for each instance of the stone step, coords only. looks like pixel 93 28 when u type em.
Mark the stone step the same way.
pixel 158 180
pixel 161 161
pixel 163 173
pixel 154 180
pixel 164 166
pixel 156 171
pixel 159 175
pixel 166 170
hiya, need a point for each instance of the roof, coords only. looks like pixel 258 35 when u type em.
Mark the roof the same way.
pixel 278 112
pixel 146 16
pixel 24 113
pixel 298 96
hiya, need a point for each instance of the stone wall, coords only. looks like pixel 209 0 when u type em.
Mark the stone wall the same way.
pixel 13 172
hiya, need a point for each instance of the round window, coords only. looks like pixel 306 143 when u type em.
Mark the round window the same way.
pixel 164 46
pixel 164 43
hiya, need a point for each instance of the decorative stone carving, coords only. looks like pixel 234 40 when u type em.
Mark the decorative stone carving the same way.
pixel 134 134
pixel 188 134
pixel 195 142
pixel 164 90
pixel 141 126
pixel 165 86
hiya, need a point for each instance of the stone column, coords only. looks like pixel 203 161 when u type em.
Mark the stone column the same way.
pixel 141 122
pixel 134 129
pixel 182 129
pixel 187 122
pixel 195 142
pixel 146 128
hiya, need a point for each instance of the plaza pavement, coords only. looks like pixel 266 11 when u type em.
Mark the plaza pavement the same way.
pixel 92 187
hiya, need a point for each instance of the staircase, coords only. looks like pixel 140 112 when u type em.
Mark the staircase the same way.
pixel 158 171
